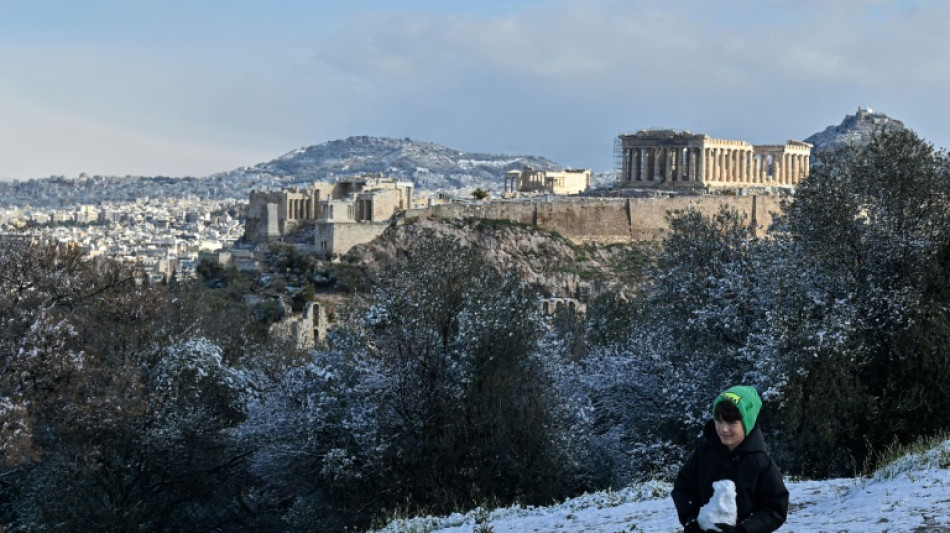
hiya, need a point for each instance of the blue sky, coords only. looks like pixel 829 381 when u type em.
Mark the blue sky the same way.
pixel 191 88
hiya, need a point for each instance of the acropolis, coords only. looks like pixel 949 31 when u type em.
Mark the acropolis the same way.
pixel 672 159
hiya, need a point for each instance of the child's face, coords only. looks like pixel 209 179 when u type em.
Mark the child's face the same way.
pixel 731 434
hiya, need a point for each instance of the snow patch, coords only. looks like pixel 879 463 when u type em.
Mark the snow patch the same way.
pixel 911 494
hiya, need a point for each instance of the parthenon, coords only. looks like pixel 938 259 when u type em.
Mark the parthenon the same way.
pixel 671 159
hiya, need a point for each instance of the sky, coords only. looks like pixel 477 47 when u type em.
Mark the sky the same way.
pixel 190 88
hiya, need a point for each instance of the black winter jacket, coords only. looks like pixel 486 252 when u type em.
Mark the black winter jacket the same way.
pixel 761 496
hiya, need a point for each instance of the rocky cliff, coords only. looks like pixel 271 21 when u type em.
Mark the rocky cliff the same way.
pixel 548 262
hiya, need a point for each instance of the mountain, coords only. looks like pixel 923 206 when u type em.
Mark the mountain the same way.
pixel 854 129
pixel 430 166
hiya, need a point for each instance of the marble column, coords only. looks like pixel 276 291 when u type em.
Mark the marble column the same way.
pixel 687 164
pixel 642 163
pixel 631 159
pixel 707 165
pixel 734 161
pixel 700 165
pixel 630 170
pixel 647 162
pixel 723 165
pixel 626 167
pixel 668 170
pixel 693 164
pixel 682 163
pixel 714 164
pixel 720 165
pixel 645 175
pixel 639 160
pixel 655 168
pixel 746 164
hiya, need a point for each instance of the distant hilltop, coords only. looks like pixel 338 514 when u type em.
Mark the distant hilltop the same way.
pixel 854 129
pixel 427 165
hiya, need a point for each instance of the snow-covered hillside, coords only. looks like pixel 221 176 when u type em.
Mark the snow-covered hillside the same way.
pixel 910 495
pixel 430 166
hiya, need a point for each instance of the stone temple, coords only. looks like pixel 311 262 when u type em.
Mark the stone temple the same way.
pixel 672 159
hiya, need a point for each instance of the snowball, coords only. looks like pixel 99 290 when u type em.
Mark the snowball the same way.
pixel 721 508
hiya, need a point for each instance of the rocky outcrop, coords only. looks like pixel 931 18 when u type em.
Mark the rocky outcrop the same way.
pixel 551 264
pixel 854 130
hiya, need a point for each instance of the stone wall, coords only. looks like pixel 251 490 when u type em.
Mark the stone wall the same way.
pixel 606 220
pixel 338 237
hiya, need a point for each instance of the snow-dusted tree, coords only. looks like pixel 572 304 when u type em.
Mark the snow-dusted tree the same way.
pixel 43 363
pixel 159 461
pixel 698 328
pixel 115 415
pixel 861 312
pixel 838 316
pixel 706 301
pixel 431 396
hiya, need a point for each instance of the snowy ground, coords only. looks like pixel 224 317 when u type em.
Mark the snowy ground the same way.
pixel 910 495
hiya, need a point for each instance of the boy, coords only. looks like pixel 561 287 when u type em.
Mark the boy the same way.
pixel 734 449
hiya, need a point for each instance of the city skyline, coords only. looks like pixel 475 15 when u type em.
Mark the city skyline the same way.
pixel 188 89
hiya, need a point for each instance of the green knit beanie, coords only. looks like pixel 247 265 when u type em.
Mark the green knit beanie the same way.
pixel 746 398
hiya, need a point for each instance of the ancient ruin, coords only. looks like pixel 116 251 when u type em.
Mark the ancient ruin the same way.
pixel 351 211
pixel 303 330
pixel 672 159
pixel 529 180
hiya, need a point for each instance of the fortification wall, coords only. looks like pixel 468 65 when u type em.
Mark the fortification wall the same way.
pixel 605 220
pixel 338 237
